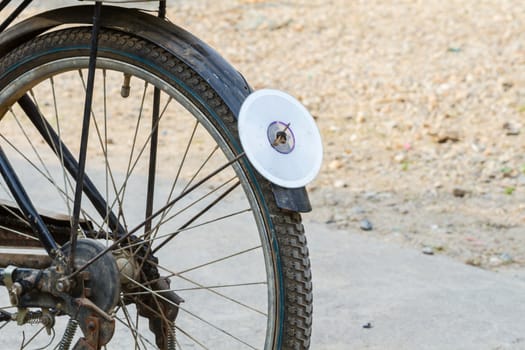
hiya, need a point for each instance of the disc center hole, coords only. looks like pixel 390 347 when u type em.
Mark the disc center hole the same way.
pixel 280 138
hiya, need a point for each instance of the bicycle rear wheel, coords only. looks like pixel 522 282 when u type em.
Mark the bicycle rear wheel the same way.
pixel 239 262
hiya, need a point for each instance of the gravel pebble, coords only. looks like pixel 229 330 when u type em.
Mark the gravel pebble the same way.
pixel 458 192
pixel 365 225
pixel 381 75
pixel 428 251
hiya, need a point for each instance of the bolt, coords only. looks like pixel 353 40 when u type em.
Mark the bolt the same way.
pixel 85 275
pixel 46 320
pixel 63 285
pixel 13 298
pixel 17 288
pixel 91 325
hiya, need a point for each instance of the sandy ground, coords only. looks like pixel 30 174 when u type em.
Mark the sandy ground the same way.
pixel 421 105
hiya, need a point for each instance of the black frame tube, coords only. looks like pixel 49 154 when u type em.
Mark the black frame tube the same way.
pixel 18 274
pixel 76 170
pixel 51 138
pixel 4 3
pixel 14 14
pixel 26 206
pixel 153 143
pixel 85 132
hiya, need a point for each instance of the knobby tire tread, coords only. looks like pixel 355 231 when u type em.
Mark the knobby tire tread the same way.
pixel 289 231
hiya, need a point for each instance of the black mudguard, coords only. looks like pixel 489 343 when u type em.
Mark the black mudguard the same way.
pixel 225 80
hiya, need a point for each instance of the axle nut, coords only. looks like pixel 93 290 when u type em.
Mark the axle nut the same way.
pixel 63 286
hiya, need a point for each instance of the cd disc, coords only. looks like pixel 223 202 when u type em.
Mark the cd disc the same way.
pixel 280 138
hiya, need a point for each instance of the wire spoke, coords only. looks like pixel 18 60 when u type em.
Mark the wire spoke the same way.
pixel 225 286
pixel 181 165
pixel 202 166
pixel 220 260
pixel 140 243
pixel 61 151
pixel 117 198
pixel 106 163
pixel 192 338
pixel 133 330
pixel 5 324
pixel 188 191
pixel 86 215
pixel 198 215
pixel 25 235
pixel 214 291
pixel 198 288
pixel 192 314
pixel 119 192
pixel 103 145
pixel 136 131
pixel 35 151
pixel 24 344
pixel 163 221
pixel 15 214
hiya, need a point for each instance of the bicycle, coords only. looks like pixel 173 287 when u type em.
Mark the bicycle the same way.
pixel 89 242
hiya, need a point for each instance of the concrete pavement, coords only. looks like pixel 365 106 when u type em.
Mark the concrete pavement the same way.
pixel 411 300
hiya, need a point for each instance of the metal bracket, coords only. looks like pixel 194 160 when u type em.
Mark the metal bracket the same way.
pixel 8 276
pixel 97 331
pixel 229 84
pixel 12 289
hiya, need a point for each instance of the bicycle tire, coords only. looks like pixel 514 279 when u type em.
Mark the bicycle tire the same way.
pixel 282 235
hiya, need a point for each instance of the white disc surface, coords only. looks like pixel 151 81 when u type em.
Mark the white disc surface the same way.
pixel 280 138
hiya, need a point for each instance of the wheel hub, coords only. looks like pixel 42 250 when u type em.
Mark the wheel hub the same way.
pixel 161 305
pixel 129 268
pixel 101 283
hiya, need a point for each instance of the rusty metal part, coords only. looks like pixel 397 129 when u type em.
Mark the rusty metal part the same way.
pixel 161 311
pixel 161 306
pixel 96 296
pixel 15 232
pixel 44 317
pixel 86 303
pixel 28 258
pixel 97 333
pixel 12 239
pixel 104 290
pixel 88 300
pixel 69 333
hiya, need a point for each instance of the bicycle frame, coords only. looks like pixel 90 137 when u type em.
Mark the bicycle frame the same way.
pixel 13 14
pixel 46 284
pixel 75 169
pixel 214 69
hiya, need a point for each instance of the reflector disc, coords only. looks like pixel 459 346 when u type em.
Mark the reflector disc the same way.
pixel 280 138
